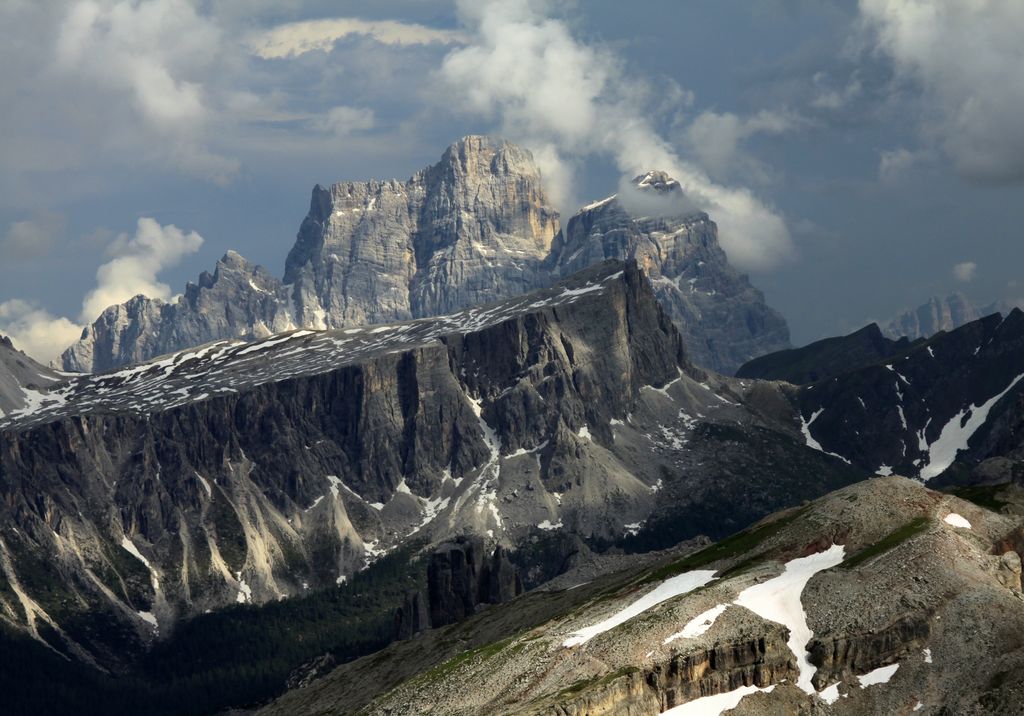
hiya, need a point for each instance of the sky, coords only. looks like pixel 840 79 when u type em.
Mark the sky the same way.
pixel 858 157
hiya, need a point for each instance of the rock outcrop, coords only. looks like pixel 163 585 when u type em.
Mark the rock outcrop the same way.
pixel 474 228
pixel 724 320
pixel 461 577
pixel 21 379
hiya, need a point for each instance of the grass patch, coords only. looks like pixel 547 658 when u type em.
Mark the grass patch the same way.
pixel 982 496
pixel 733 546
pixel 897 537
pixel 444 669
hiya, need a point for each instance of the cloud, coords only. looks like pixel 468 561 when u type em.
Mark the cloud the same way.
pixel 133 269
pixel 567 101
pixel 343 121
pixel 715 138
pixel 965 272
pixel 158 55
pixel 35 331
pixel 34 237
pixel 298 38
pixel 137 262
pixel 966 59
pixel 894 163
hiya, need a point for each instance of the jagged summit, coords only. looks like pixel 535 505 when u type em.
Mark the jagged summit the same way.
pixel 475 227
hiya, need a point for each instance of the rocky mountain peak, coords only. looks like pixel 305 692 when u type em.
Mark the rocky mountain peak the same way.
pixel 657 180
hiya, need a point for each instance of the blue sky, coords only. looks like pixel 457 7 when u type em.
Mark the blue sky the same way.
pixel 854 153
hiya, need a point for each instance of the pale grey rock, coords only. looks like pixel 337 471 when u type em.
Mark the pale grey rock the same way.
pixel 474 228
pixel 469 230
pixel 942 314
pixel 723 318
pixel 20 376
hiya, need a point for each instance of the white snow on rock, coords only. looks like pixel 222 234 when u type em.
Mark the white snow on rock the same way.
pixel 778 600
pixel 673 587
pixel 927 655
pixel 957 521
pixel 805 428
pixel 715 704
pixel 547 525
pixel 830 694
pixel 584 433
pixel 244 590
pixel 149 618
pixel 884 471
pixel 699 624
pixel 881 675
pixel 957 432
pixel 128 546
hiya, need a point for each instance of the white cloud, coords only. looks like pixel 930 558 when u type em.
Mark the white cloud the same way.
pixel 33 237
pixel 158 55
pixel 133 270
pixel 298 38
pixel 567 100
pixel 35 331
pixel 715 138
pixel 343 121
pixel 966 56
pixel 137 262
pixel 965 272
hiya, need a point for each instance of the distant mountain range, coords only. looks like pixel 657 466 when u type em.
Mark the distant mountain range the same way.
pixel 943 314
pixel 476 227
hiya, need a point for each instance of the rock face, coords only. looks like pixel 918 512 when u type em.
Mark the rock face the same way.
pixel 21 378
pixel 239 300
pixel 474 228
pixel 826 358
pixel 941 314
pixel 945 405
pixel 471 229
pixel 724 320
pixel 461 576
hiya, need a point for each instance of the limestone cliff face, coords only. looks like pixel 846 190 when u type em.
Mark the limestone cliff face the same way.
pixel 474 228
pixel 239 299
pixel 724 320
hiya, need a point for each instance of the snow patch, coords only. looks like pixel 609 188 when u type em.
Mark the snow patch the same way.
pixel 778 600
pixel 717 703
pixel 830 694
pixel 927 655
pixel 881 675
pixel 805 428
pixel 957 521
pixel 546 525
pixel 699 624
pixel 674 587
pixel 957 432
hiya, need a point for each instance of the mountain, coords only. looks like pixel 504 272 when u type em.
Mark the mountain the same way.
pixel 251 471
pixel 881 598
pixel 950 406
pixel 941 314
pixel 21 379
pixel 475 227
pixel 826 358
pixel 724 320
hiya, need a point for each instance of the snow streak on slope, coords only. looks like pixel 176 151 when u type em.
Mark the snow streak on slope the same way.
pixel 957 432
pixel 668 589
pixel 715 704
pixel 778 600
pixel 230 366
pixel 805 428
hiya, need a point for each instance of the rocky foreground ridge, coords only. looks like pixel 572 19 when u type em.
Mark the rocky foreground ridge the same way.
pixel 881 598
pixel 474 228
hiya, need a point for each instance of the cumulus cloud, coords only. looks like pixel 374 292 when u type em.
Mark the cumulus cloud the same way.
pixel 298 38
pixel 715 138
pixel 33 237
pixel 157 55
pixel 567 100
pixel 35 331
pixel 137 262
pixel 965 272
pixel 966 58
